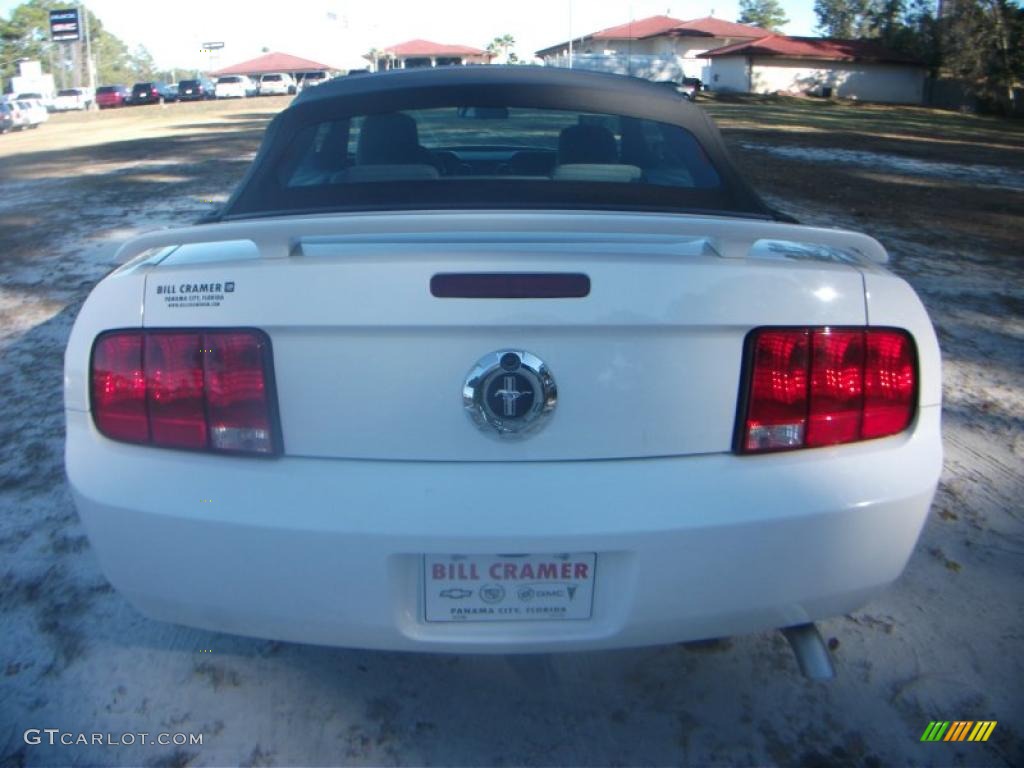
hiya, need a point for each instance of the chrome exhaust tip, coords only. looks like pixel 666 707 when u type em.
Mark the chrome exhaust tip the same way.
pixel 811 652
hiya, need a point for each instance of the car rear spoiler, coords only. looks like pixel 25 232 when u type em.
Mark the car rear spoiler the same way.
pixel 730 238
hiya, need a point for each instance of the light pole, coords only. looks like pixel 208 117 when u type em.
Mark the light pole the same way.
pixel 90 69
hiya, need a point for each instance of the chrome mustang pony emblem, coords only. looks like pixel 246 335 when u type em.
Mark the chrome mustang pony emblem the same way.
pixel 509 393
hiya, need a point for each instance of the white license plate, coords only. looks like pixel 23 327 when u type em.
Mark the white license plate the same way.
pixel 509 587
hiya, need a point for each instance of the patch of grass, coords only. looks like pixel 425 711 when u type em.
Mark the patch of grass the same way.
pixel 946 212
pixel 804 116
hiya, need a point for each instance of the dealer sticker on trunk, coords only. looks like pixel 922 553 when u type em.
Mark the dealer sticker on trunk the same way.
pixel 192 294
pixel 509 587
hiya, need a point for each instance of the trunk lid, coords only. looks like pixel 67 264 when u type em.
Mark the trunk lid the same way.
pixel 369 364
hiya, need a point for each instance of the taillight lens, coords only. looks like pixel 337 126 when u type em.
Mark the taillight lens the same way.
pixel 777 416
pixel 810 387
pixel 236 393
pixel 198 390
pixel 175 389
pixel 890 383
pixel 119 388
pixel 837 387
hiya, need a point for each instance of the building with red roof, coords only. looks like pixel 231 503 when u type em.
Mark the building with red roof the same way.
pixel 709 26
pixel 658 47
pixel 424 53
pixel 275 62
pixel 639 29
pixel 855 69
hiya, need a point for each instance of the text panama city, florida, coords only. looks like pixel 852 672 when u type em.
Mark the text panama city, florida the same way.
pixel 503 571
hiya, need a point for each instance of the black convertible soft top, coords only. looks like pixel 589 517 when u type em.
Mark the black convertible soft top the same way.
pixel 265 190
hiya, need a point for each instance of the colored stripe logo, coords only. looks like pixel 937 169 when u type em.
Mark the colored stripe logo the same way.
pixel 958 730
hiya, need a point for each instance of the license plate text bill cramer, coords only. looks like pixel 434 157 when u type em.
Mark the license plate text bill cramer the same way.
pixel 509 587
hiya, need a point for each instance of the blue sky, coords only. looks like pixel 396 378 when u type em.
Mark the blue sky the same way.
pixel 339 31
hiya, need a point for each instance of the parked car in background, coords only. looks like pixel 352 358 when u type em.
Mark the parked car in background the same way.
pixel 47 103
pixel 169 92
pixel 687 87
pixel 34 111
pixel 110 96
pixel 195 90
pixel 71 99
pixel 6 117
pixel 309 79
pixel 692 85
pixel 25 113
pixel 235 87
pixel 151 93
pixel 276 84
pixel 17 114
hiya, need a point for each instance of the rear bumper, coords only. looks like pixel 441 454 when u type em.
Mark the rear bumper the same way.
pixel 330 551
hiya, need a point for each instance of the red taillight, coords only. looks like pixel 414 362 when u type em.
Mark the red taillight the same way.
pixel 199 390
pixel 175 389
pixel 890 383
pixel 119 387
pixel 236 392
pixel 810 387
pixel 837 387
pixel 777 414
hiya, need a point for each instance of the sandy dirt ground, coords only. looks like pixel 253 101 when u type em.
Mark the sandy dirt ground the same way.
pixel 943 643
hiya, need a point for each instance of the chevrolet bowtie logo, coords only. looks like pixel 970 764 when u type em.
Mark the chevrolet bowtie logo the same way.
pixel 509 394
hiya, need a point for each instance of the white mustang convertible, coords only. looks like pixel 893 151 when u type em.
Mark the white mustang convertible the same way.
pixel 501 360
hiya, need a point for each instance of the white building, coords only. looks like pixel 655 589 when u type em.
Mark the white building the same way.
pixel 657 48
pixel 32 79
pixel 852 69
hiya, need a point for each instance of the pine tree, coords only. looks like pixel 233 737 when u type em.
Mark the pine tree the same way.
pixel 25 34
pixel 843 18
pixel 767 14
pixel 983 43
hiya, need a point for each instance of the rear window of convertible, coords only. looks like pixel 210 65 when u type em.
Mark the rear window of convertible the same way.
pixel 495 144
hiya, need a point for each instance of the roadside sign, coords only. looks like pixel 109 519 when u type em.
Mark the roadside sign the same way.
pixel 64 25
